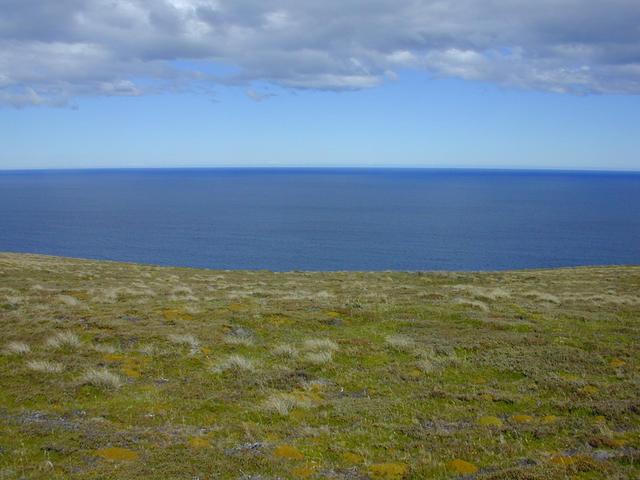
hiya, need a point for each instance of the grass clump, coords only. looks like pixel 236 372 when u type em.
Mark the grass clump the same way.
pixel 239 336
pixel 45 366
pixel 101 378
pixel 285 350
pixel 17 348
pixel 105 348
pixel 64 340
pixel 318 358
pixel 401 343
pixel 234 363
pixel 319 344
pixel 187 340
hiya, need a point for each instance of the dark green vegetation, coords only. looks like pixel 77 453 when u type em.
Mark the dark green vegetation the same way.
pixel 117 371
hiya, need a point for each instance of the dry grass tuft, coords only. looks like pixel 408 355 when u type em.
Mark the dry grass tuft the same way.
pixel 280 404
pixel 101 377
pixel 319 344
pixel 185 339
pixel 542 296
pixel 400 342
pixel 285 350
pixel 425 364
pixel 64 339
pixel 147 349
pixel 17 348
pixel 239 336
pixel 472 303
pixel 319 358
pixel 105 348
pixel 69 300
pixel 45 366
pixel 283 403
pixel 234 363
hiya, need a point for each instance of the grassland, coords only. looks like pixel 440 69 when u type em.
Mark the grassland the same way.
pixel 119 371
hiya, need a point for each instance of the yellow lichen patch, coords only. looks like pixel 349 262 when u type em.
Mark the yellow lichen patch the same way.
pixel 131 372
pixel 237 307
pixel 569 377
pixel 175 314
pixel 575 463
pixel 462 467
pixel 159 408
pixel 113 357
pixel 522 418
pixel 333 314
pixel 289 452
pixel 352 458
pixel 589 390
pixel 600 419
pixel 297 414
pixel 279 320
pixel 198 442
pixel 272 437
pixel 303 472
pixel 563 460
pixel 607 441
pixel 489 421
pixel 548 419
pixel 388 471
pixel 79 294
pixel 415 373
pixel 486 396
pixel 206 350
pixel 314 395
pixel 131 366
pixel 117 453
pixel 617 362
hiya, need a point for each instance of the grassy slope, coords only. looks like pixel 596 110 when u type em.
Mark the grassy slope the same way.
pixel 519 375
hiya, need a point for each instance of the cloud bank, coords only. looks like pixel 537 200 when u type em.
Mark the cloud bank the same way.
pixel 54 51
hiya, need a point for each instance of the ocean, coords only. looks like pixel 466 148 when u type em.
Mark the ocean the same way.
pixel 325 219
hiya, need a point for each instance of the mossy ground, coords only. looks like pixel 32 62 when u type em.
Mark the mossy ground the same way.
pixel 517 375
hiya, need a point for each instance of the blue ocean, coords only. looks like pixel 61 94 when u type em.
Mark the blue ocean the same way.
pixel 325 219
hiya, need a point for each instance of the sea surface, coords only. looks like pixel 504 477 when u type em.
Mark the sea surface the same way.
pixel 325 219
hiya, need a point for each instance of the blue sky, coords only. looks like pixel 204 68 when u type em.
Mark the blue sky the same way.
pixel 197 83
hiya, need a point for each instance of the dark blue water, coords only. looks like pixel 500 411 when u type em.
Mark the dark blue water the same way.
pixel 325 219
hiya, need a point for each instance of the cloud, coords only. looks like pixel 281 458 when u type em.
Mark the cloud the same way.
pixel 52 52
pixel 258 96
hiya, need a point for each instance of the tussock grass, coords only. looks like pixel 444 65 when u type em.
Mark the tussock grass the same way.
pixel 483 292
pixel 234 363
pixel 400 342
pixel 239 336
pixel 542 296
pixel 472 303
pixel 185 339
pixel 45 366
pixel 69 301
pixel 104 348
pixel 147 349
pixel 283 403
pixel 64 340
pixel 102 378
pixel 318 358
pixel 319 344
pixel 16 348
pixel 285 350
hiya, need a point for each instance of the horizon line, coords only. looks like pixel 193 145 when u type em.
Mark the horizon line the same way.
pixel 326 167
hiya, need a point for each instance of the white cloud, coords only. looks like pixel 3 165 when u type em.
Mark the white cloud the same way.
pixel 53 51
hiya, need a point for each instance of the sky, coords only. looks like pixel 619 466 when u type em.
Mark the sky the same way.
pixel 394 83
